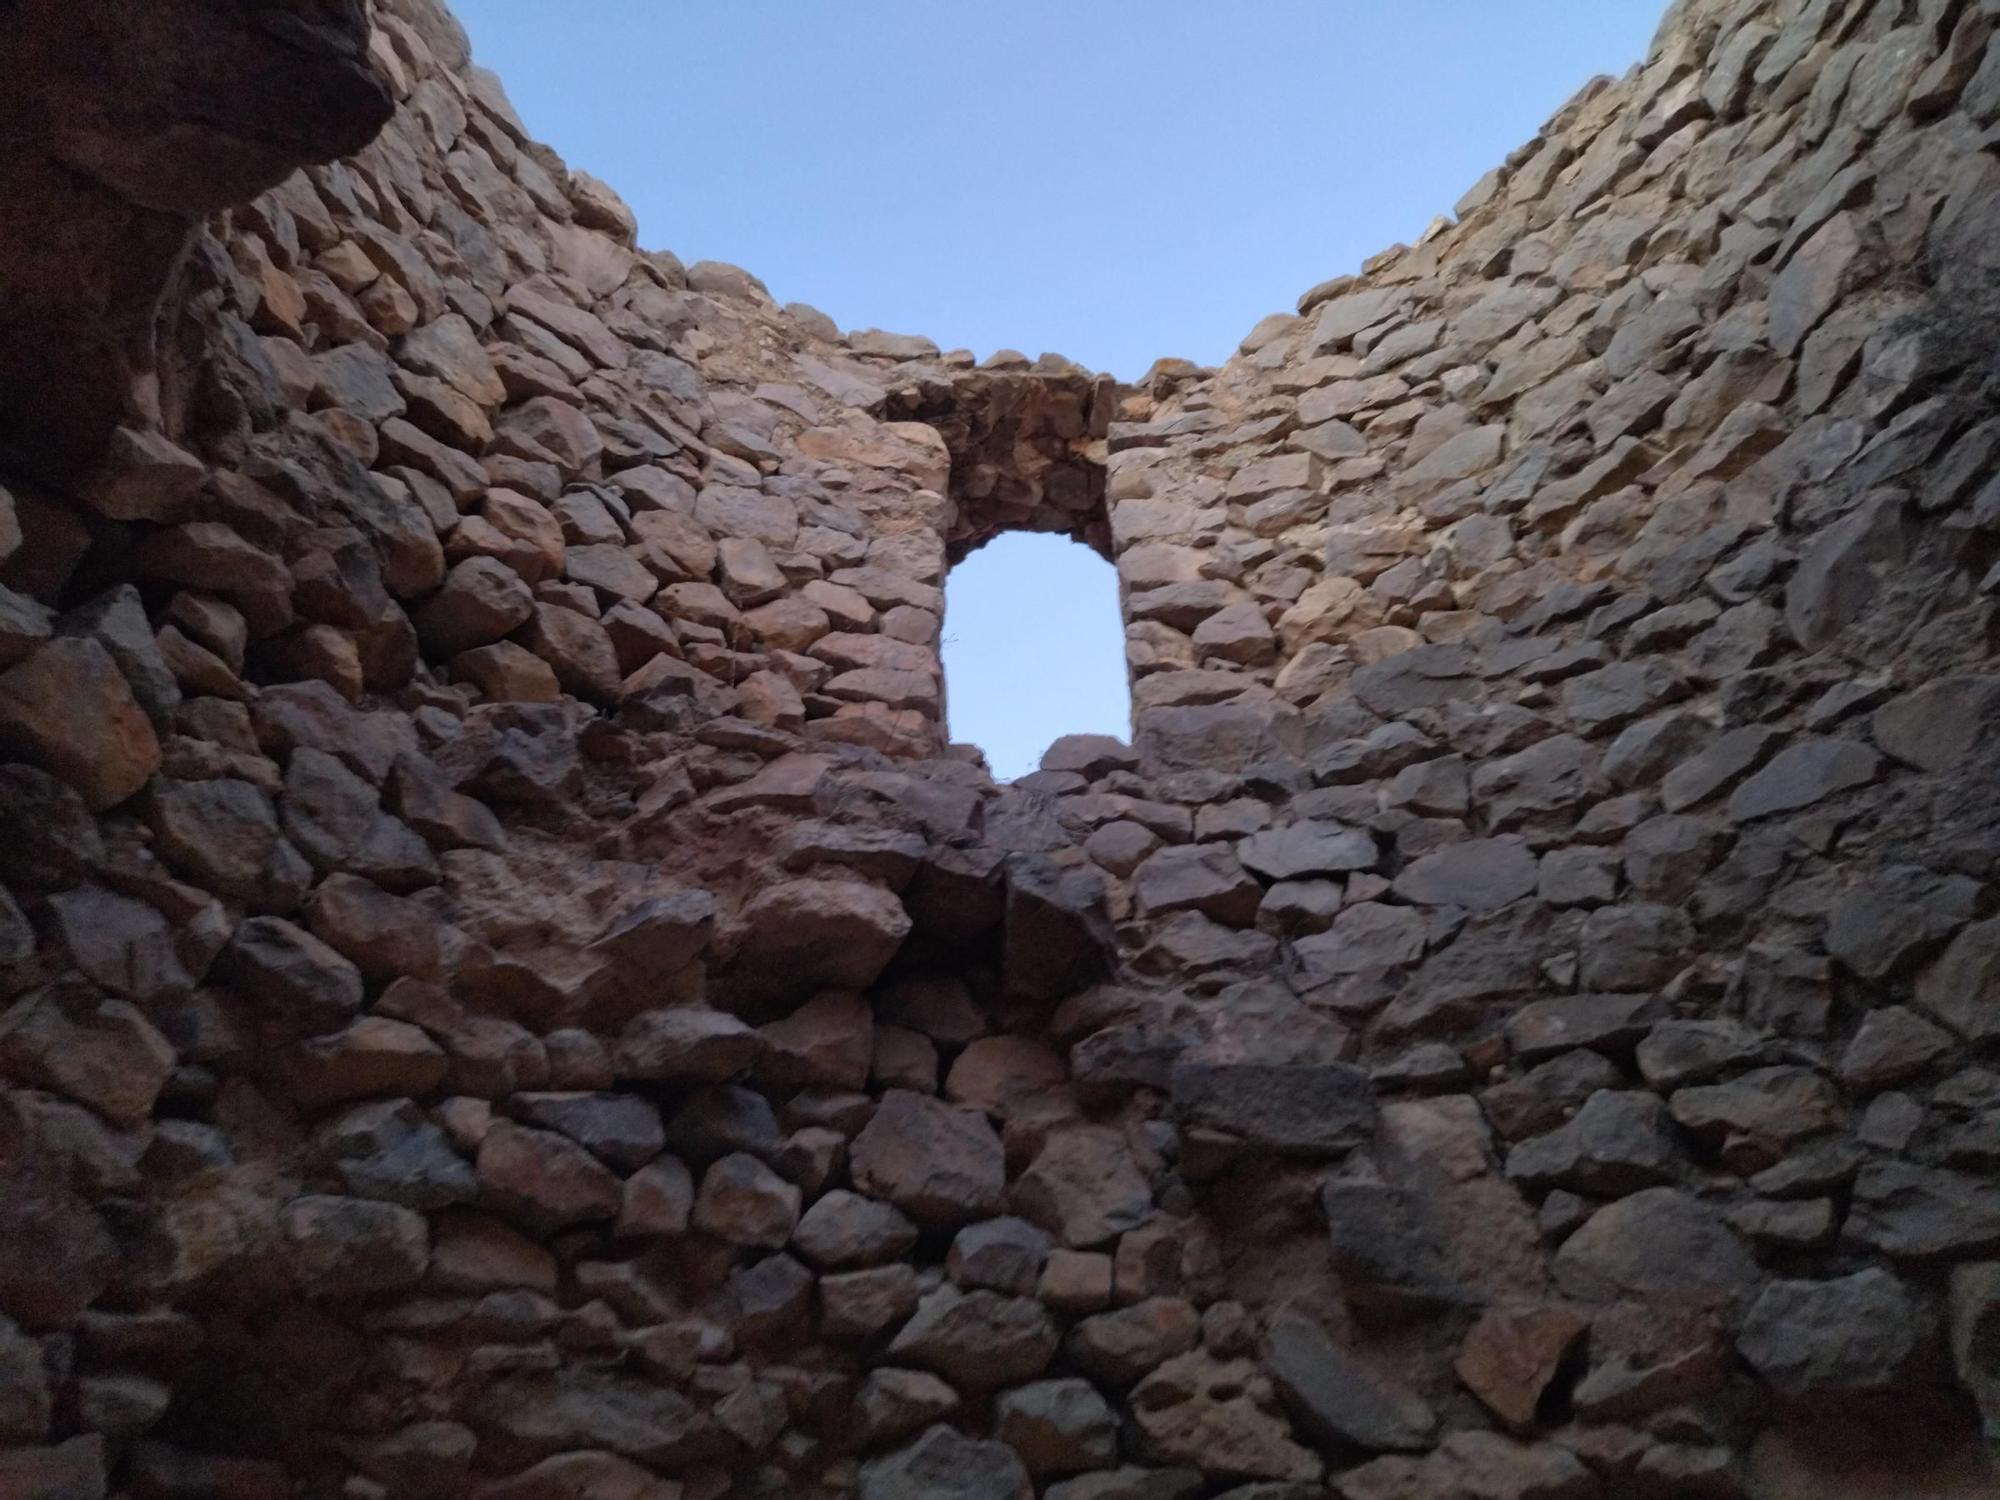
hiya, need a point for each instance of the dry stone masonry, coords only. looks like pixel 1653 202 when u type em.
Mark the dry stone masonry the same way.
pixel 509 993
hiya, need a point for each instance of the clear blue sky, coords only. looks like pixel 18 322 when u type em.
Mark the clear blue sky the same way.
pixel 1114 180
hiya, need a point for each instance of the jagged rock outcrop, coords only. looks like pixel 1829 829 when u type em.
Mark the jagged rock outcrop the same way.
pixel 509 992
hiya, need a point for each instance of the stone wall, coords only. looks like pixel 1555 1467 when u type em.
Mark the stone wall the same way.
pixel 512 996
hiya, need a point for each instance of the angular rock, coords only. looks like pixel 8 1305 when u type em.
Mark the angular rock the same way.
pixel 1055 934
pixel 1843 569
pixel 1221 1416
pixel 1307 848
pixel 101 1053
pixel 1657 1244
pixel 621 1130
pixel 940 1165
pixel 685 1046
pixel 1913 1213
pixel 1057 1426
pixel 1895 916
pixel 1513 1357
pixel 68 709
pixel 349 1247
pixel 1939 724
pixel 1002 1255
pixel 1959 988
pixel 978 1340
pixel 1313 1111
pixel 1758 1117
pixel 1121 1347
pixel 1893 1045
pixel 829 1042
pixel 845 1231
pixel 1611 1024
pixel 1085 1187
pixel 481 601
pixel 584 1407
pixel 1198 877
pixel 1388 1248
pixel 893 1404
pixel 1618 1143
pixel 1806 772
pixel 544 1180
pixel 745 1203
pixel 809 935
pixel 1334 1400
pixel 942 1464
pixel 1477 874
pixel 1816 1338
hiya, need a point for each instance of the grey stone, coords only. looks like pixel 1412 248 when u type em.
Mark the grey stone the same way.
pixel 391 1152
pixel 844 1230
pixel 1387 1249
pixel 1313 1111
pixel 623 1130
pixel 584 1407
pixel 1198 877
pixel 1478 874
pixel 1940 724
pixel 1758 1117
pixel 1366 936
pixel 1914 1213
pixel 1120 1347
pixel 1633 947
pixel 1545 1096
pixel 1336 1400
pixel 1894 916
pixel 291 976
pixel 939 1164
pixel 978 1340
pixel 1613 696
pixel 1807 771
pixel 1057 1426
pixel 1719 767
pixel 1130 1484
pixel 1001 1255
pixel 1843 569
pixel 1853 1333
pixel 942 1464
pixel 1679 1052
pixel 1085 1186
pixel 1618 1143
pixel 1659 1244
pixel 1893 1045
pixel 1960 988
pixel 1297 850
pixel 1974 1331
pixel 895 1403
pixel 1612 1024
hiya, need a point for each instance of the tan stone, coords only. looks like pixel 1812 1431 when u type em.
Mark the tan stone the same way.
pixel 1512 1356
pixel 67 708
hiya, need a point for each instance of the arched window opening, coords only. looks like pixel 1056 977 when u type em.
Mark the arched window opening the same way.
pixel 1034 649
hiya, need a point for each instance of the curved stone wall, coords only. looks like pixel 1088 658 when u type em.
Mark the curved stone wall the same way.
pixel 509 993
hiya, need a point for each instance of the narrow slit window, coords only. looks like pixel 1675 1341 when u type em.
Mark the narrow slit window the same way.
pixel 1034 649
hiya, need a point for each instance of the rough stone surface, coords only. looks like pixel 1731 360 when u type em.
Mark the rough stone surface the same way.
pixel 510 990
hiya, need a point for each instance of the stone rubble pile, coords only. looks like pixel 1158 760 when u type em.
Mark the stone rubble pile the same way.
pixel 510 993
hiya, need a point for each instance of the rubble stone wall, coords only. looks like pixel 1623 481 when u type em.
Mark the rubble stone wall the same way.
pixel 510 994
